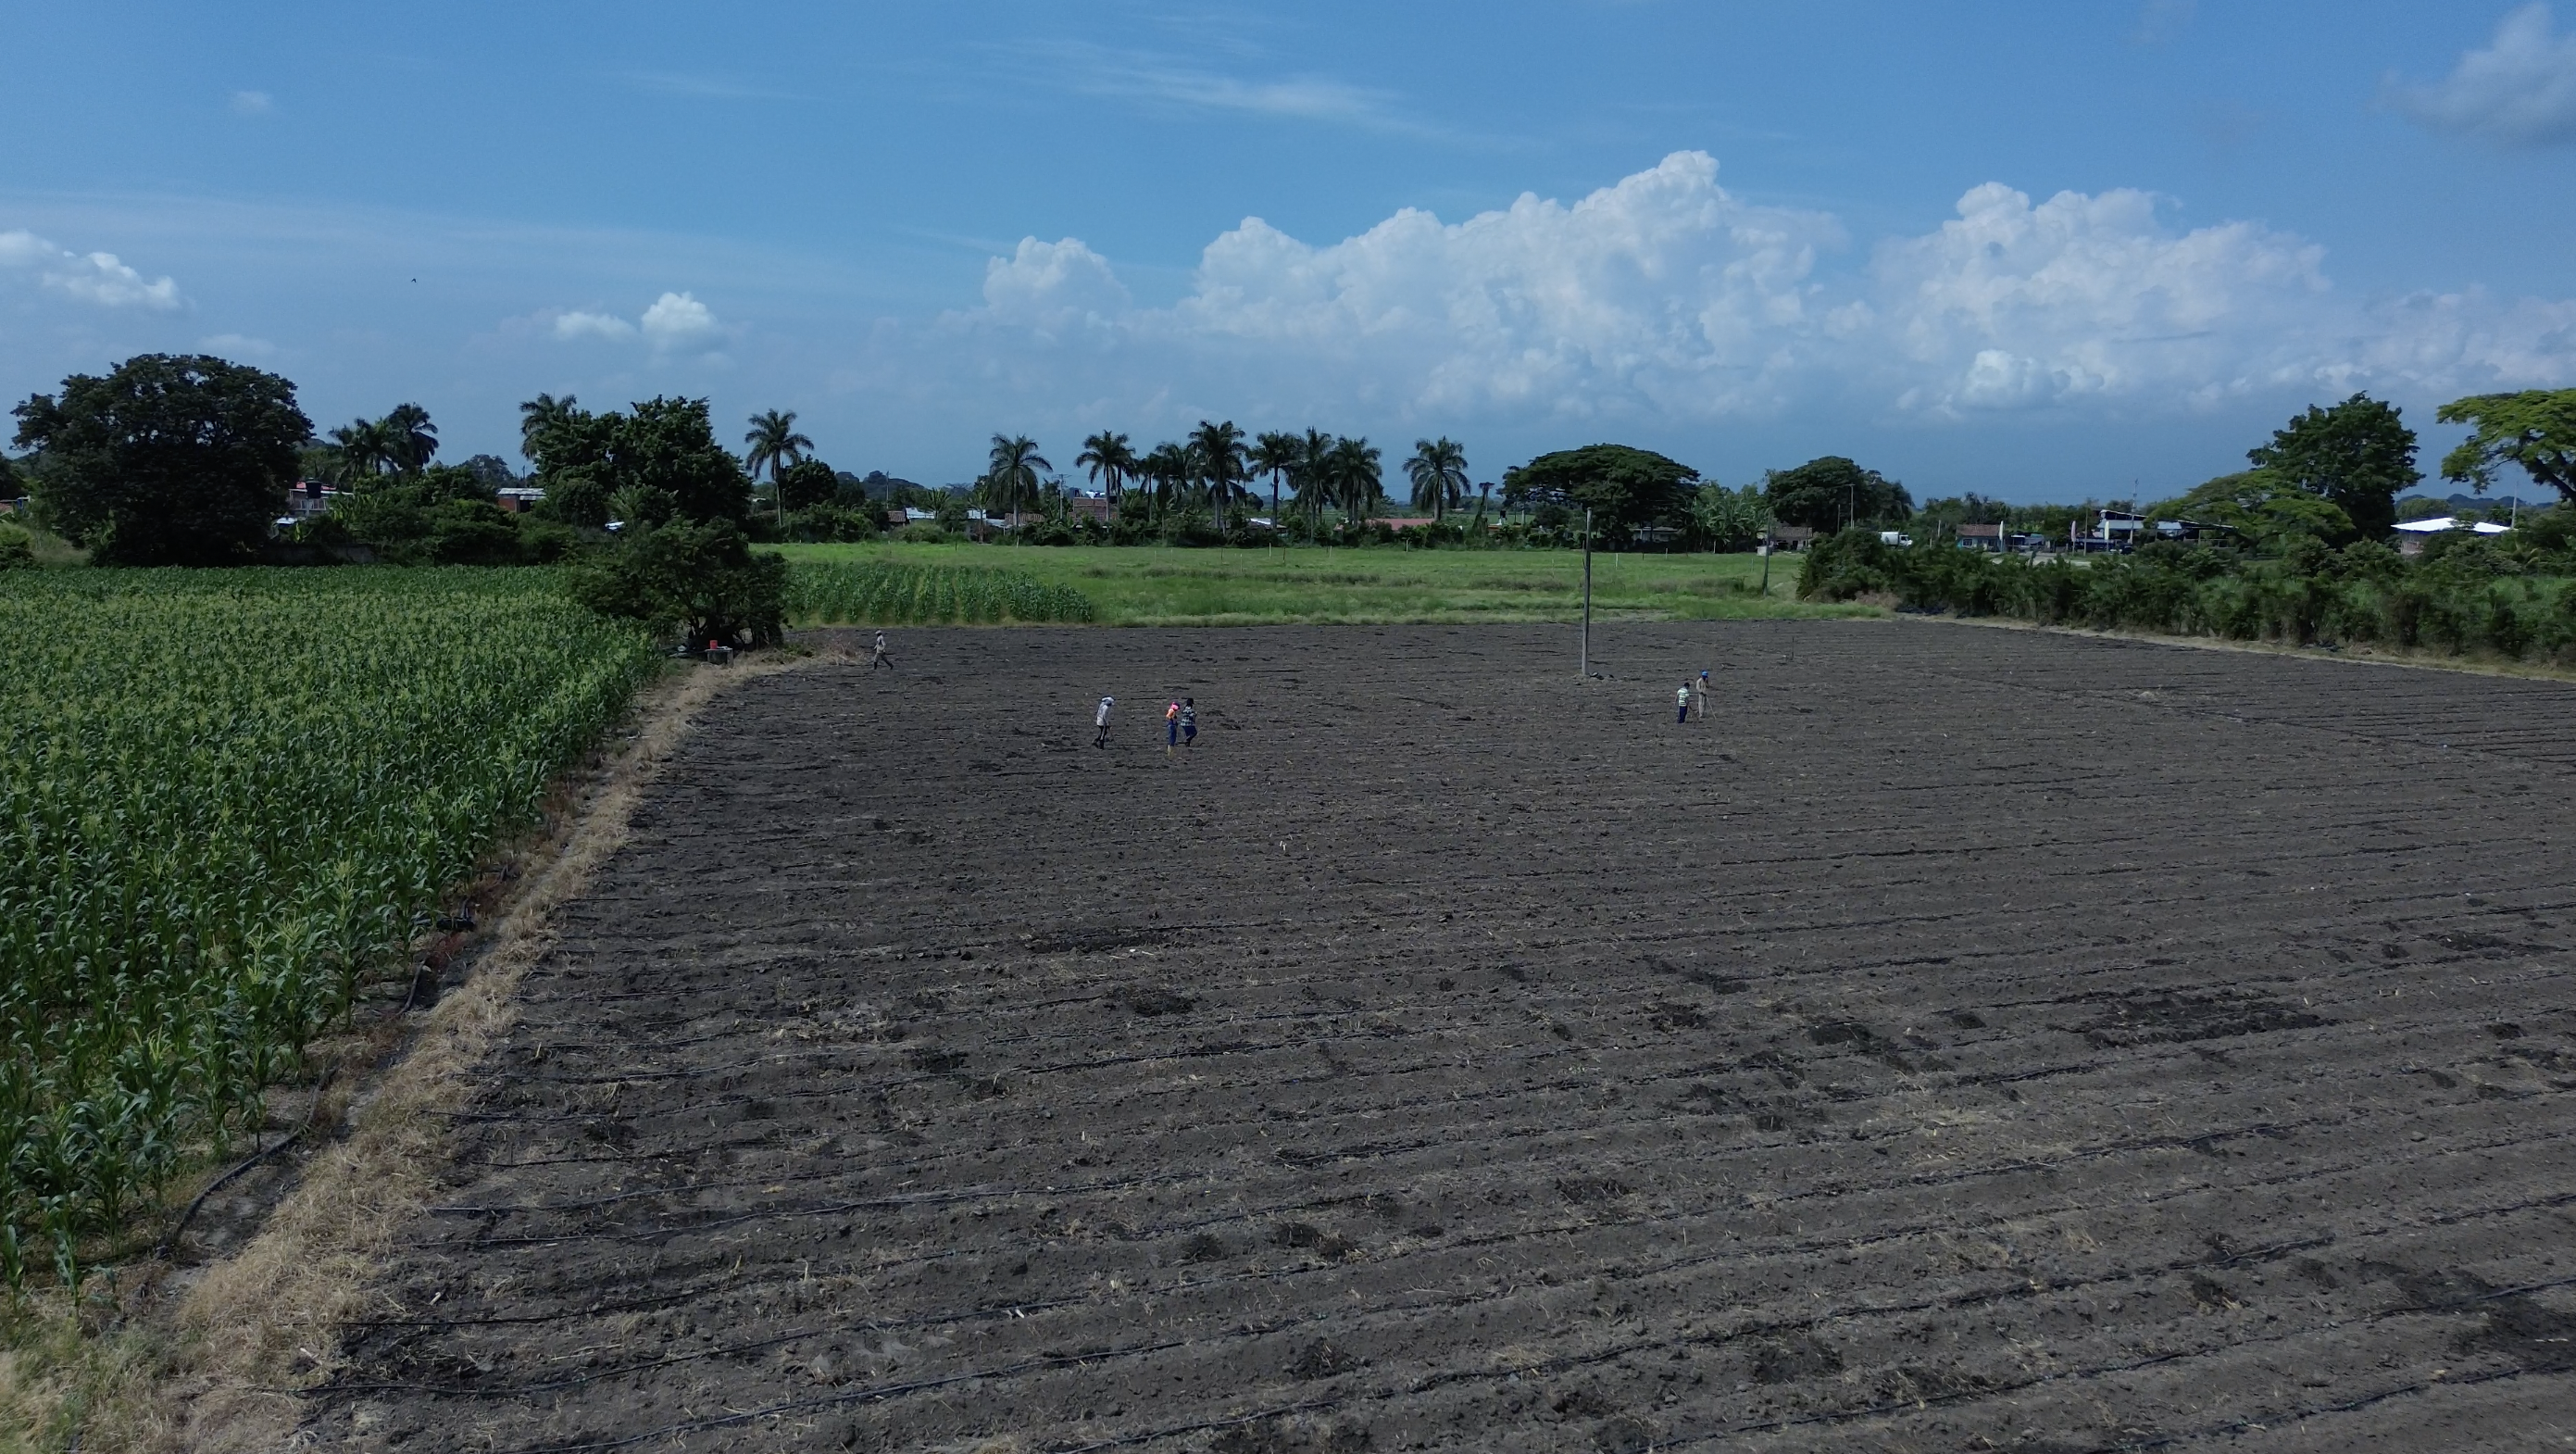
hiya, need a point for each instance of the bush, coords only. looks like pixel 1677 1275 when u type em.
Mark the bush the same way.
pixel 832 523
pixel 700 579
pixel 17 549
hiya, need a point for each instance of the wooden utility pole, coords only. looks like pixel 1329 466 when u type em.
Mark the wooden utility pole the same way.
pixel 1583 653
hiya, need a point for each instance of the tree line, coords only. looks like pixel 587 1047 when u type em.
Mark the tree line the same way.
pixel 186 459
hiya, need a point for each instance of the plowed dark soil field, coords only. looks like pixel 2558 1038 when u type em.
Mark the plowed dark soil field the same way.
pixel 1966 1040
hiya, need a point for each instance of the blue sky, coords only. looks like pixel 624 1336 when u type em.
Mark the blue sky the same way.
pixel 2035 249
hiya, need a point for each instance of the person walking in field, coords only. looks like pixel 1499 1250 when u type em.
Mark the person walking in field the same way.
pixel 1189 721
pixel 1100 719
pixel 881 659
pixel 1681 703
pixel 1171 728
pixel 1699 696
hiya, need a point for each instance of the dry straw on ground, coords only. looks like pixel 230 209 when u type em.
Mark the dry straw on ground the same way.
pixel 261 1325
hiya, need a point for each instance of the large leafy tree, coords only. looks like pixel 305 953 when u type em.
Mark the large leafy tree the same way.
pixel 1110 461
pixel 1223 464
pixel 1830 492
pixel 411 441
pixel 806 484
pixel 1625 488
pixel 1438 470
pixel 2535 429
pixel 2355 456
pixel 662 444
pixel 171 459
pixel 1724 519
pixel 1011 473
pixel 2268 509
pixel 699 577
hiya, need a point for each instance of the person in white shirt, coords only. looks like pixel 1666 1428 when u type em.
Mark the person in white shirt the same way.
pixel 881 659
pixel 1100 719
pixel 1681 703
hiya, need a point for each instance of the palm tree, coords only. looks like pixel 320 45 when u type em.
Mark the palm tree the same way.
pixel 1110 461
pixel 1276 454
pixel 1315 476
pixel 1169 467
pixel 1012 473
pixel 542 416
pixel 1219 448
pixel 775 443
pixel 410 439
pixel 1358 482
pixel 1438 470
pixel 363 448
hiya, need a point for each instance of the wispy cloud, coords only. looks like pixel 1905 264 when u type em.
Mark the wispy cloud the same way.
pixel 2520 91
pixel 2163 20
pixel 237 346
pixel 706 88
pixel 253 103
pixel 1175 83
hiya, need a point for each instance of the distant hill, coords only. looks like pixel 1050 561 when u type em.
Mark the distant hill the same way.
pixel 2482 502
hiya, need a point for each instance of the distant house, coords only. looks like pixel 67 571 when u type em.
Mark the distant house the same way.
pixel 308 498
pixel 1973 536
pixel 2194 530
pixel 1792 537
pixel 518 499
pixel 1089 505
pixel 2112 530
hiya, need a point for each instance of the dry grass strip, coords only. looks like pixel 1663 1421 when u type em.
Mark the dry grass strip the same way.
pixel 262 1324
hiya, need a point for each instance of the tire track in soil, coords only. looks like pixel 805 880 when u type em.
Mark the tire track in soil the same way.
pixel 1969 1040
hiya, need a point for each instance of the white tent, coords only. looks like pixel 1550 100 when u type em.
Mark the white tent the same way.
pixel 2440 523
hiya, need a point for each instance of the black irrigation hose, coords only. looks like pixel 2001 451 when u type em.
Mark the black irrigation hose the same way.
pixel 170 1239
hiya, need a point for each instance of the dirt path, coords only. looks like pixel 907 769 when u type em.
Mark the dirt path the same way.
pixel 1969 1040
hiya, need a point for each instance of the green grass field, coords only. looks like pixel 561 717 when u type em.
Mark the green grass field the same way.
pixel 1163 586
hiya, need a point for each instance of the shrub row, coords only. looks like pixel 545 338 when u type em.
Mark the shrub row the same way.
pixel 2455 600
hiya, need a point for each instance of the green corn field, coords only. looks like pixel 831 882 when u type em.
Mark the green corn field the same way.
pixel 886 593
pixel 226 797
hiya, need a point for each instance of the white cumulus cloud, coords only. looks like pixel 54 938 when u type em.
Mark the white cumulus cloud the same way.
pixel 1665 298
pixel 2011 305
pixel 592 325
pixel 96 277
pixel 1053 286
pixel 675 322
pixel 2521 90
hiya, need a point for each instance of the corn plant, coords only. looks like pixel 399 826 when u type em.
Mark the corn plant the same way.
pixel 891 593
pixel 225 798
